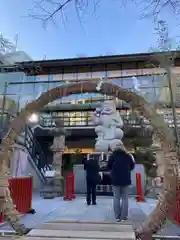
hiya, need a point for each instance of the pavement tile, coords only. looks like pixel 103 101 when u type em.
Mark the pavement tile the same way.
pixel 77 210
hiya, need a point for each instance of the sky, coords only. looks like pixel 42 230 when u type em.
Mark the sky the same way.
pixel 111 29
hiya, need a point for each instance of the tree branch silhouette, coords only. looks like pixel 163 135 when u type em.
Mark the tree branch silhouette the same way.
pixel 155 7
pixel 148 8
pixel 59 6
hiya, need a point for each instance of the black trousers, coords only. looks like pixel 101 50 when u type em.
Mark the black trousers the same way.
pixel 91 192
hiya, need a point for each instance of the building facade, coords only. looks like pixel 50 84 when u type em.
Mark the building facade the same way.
pixel 13 57
pixel 141 73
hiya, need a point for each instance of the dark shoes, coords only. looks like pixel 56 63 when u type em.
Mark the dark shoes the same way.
pixel 121 220
pixel 94 203
pixel 118 220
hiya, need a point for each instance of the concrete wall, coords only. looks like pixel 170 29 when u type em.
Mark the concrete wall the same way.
pixel 80 178
pixel 32 170
pixel 23 165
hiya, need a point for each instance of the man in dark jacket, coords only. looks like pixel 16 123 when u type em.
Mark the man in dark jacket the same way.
pixel 92 168
pixel 120 164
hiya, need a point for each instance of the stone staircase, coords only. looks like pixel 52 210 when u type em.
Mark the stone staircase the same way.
pixel 79 231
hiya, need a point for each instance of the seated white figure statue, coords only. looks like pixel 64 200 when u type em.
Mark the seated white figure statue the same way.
pixel 108 129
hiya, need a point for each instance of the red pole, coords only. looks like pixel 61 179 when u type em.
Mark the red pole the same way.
pixel 73 195
pixel 68 188
pixel 139 197
pixel 174 214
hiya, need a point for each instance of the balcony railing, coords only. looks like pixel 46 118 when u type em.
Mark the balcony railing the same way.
pixel 86 121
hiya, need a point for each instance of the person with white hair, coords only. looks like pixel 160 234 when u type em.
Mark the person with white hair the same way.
pixel 120 164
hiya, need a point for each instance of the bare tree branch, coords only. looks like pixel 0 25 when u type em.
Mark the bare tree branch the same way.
pixel 59 8
pixel 155 7
pixel 5 44
pixel 148 8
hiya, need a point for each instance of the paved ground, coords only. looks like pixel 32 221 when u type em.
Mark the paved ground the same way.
pixel 77 210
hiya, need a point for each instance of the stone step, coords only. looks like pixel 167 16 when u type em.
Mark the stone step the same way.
pixel 77 231
pixel 103 223
pixel 86 227
pixel 9 237
pixel 74 238
pixel 81 234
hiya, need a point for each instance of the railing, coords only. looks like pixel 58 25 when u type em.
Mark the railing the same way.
pixel 86 120
pixel 83 98
pixel 66 121
pixel 33 147
pixel 5 119
pixel 36 152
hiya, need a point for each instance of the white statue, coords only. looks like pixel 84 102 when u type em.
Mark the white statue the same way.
pixel 108 127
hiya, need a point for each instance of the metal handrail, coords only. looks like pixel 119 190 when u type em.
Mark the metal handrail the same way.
pixel 86 121
pixel 36 151
pixel 31 144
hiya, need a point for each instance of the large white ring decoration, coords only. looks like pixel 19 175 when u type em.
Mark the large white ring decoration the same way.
pixel 163 209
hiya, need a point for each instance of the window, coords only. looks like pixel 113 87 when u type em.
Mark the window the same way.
pixel 147 90
pixel 29 79
pixel 54 84
pixel 69 76
pixel 41 87
pixel 60 114
pixel 130 72
pixel 161 80
pixel 152 71
pixel 9 99
pixel 89 118
pixel 14 89
pixel 14 77
pixel 56 77
pixel 146 81
pixel 127 83
pixel 29 88
pixel 41 78
pixel 83 76
pixel 98 75
pixel 118 82
pixel 114 74
pixel 163 94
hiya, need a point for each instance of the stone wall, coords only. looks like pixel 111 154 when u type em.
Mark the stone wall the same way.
pixel 80 178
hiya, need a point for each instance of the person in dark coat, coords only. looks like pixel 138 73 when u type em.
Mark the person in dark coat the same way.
pixel 92 169
pixel 120 164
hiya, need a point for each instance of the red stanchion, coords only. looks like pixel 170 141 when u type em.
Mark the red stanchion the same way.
pixel 21 194
pixel 1 218
pixel 175 213
pixel 69 187
pixel 139 197
pixel 73 193
pixel 66 190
